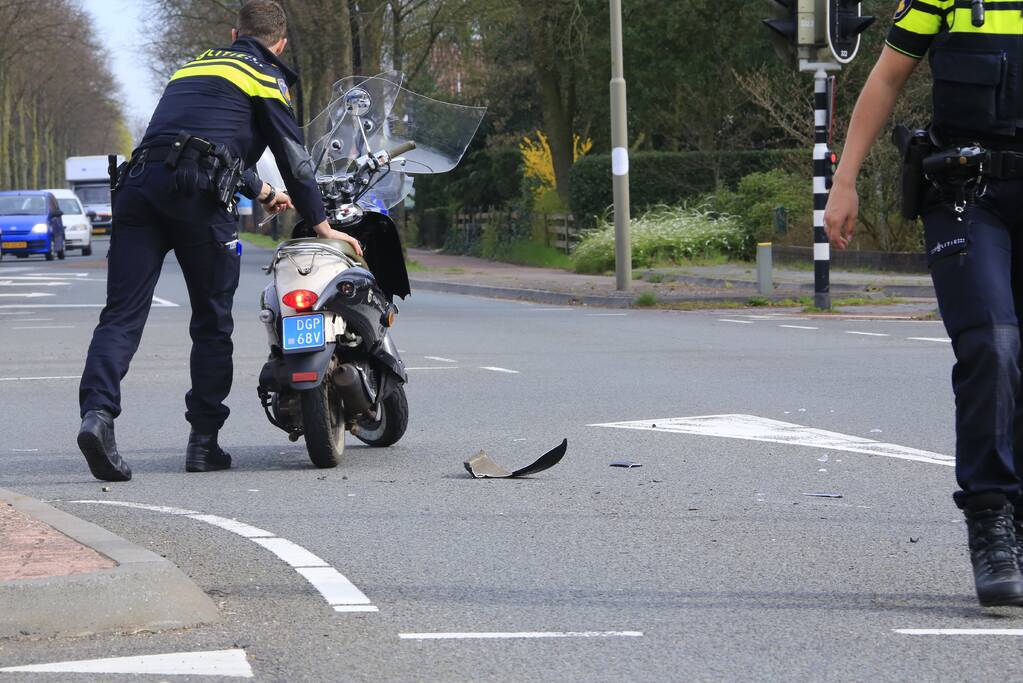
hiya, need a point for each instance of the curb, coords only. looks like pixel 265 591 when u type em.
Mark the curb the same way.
pixel 143 592
pixel 543 296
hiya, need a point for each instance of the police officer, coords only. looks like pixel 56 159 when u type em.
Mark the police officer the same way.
pixel 214 121
pixel 973 230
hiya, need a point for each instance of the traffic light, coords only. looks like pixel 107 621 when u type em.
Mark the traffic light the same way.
pixel 830 164
pixel 844 26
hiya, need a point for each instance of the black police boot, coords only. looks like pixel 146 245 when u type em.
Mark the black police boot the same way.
pixel 203 454
pixel 97 443
pixel 989 524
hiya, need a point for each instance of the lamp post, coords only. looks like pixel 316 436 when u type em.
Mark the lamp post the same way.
pixel 620 153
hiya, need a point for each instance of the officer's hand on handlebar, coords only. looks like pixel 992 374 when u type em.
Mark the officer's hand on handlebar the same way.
pixel 328 233
pixel 280 203
pixel 840 215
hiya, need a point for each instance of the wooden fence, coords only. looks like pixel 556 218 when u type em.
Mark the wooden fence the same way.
pixel 559 229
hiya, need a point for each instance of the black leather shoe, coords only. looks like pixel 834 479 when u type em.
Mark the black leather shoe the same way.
pixel 989 523
pixel 204 455
pixel 97 443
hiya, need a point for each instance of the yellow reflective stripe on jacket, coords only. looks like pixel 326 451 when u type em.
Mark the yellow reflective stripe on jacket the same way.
pixel 926 17
pixel 1008 21
pixel 258 75
pixel 247 84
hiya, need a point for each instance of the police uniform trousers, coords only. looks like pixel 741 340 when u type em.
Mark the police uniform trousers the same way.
pixel 976 263
pixel 151 218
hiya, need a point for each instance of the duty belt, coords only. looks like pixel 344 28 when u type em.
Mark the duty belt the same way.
pixel 1004 165
pixel 222 169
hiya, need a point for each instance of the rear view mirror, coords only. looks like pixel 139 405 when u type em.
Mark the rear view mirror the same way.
pixel 91 215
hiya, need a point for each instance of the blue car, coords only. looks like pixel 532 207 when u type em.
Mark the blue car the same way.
pixel 30 224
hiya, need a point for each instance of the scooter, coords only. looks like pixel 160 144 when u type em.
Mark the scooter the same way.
pixel 328 313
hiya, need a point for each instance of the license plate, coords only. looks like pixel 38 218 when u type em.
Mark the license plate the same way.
pixel 15 245
pixel 303 332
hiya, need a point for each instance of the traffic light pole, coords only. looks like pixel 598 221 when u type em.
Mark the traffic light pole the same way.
pixel 821 246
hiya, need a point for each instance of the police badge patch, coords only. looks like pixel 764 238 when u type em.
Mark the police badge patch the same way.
pixel 903 9
pixel 287 93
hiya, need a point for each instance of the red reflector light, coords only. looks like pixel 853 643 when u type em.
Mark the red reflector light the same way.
pixel 303 376
pixel 300 299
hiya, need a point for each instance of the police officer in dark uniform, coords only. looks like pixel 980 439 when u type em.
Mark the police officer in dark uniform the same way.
pixel 215 119
pixel 972 210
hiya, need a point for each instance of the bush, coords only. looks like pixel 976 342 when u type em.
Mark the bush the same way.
pixel 757 197
pixel 669 178
pixel 665 235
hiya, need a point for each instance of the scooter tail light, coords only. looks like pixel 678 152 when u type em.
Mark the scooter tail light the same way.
pixel 300 299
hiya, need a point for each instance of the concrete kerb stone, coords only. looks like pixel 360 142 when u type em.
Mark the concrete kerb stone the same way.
pixel 143 592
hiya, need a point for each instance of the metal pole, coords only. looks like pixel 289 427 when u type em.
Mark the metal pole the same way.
pixel 821 248
pixel 620 153
pixel 765 275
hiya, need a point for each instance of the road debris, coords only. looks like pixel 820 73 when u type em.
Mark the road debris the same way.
pixel 482 466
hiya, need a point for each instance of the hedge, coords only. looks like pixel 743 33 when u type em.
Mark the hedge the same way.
pixel 668 178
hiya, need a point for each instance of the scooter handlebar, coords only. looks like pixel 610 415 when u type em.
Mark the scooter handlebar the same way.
pixel 401 149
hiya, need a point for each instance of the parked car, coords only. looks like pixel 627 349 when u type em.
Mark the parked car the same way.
pixel 31 224
pixel 77 225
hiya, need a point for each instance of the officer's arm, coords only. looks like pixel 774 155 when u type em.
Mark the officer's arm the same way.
pixel 872 110
pixel 277 123
pixel 874 106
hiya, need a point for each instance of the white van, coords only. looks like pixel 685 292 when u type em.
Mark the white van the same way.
pixel 77 226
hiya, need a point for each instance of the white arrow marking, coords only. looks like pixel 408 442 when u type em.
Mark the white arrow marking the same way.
pixel 230 663
pixel 753 428
pixel 163 303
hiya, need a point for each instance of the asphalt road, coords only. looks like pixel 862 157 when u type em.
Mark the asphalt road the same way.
pixel 708 562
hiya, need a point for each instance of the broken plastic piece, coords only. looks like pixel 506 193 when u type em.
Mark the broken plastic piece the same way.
pixel 483 467
pixel 626 463
pixel 823 495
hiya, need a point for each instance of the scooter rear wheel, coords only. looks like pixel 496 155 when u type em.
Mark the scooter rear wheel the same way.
pixel 323 422
pixel 389 426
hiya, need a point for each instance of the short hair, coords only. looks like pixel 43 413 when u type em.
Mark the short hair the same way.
pixel 263 20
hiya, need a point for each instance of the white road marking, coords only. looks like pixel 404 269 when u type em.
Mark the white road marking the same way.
pixel 439 359
pixel 32 282
pixel 960 631
pixel 36 379
pixel 753 428
pixel 45 327
pixel 157 303
pixel 799 327
pixel 505 370
pixel 868 334
pixel 19 313
pixel 521 634
pixel 941 340
pixel 228 663
pixel 336 589
pixel 444 367
pixel 28 295
pixel 738 322
pixel 292 554
pixel 24 450
pixel 33 320
pixel 606 315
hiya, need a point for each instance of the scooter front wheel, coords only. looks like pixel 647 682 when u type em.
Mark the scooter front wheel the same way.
pixel 323 422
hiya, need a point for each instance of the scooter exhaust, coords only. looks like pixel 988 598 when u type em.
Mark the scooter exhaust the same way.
pixel 350 383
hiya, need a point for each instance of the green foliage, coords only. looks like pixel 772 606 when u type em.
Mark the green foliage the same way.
pixel 757 197
pixel 646 299
pixel 665 235
pixel 658 178
pixel 526 253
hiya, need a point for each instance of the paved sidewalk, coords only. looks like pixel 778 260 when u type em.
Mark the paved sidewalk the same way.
pixel 30 549
pixel 727 284
pixel 61 575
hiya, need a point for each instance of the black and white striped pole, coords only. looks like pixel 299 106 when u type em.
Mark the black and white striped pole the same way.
pixel 821 163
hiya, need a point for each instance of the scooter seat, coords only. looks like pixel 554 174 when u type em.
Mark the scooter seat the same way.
pixel 343 246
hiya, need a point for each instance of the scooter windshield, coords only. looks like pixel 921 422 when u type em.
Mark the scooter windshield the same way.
pixel 369 115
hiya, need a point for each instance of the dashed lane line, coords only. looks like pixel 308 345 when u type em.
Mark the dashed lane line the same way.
pixel 340 593
pixel 439 359
pixel 504 370
pixel 37 379
pixel 157 303
pixel 45 327
pixel 737 322
pixel 513 635
pixel 867 334
pixel 940 340
pixel 799 327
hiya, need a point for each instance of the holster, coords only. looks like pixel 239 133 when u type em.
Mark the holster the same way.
pixel 914 146
pixel 226 174
pixel 117 174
